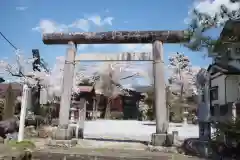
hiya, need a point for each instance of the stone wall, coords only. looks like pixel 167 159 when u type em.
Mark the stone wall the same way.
pixel 9 153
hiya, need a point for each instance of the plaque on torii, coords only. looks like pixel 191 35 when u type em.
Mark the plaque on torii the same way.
pixel 157 38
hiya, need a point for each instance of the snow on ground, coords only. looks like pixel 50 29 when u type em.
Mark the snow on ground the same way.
pixel 133 130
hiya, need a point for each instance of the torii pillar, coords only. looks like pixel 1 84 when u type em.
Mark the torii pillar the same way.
pixel 157 38
pixel 161 135
pixel 64 132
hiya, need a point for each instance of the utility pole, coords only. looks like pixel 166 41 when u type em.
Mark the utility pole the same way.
pixel 25 97
pixel 36 90
pixel 36 62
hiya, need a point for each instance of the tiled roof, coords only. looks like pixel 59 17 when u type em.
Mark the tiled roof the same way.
pixel 226 69
pixel 230 34
pixel 17 87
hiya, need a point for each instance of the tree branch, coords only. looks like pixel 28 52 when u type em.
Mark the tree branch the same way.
pixel 129 76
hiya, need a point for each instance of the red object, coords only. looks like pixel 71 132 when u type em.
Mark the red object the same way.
pixel 85 89
pixel 116 104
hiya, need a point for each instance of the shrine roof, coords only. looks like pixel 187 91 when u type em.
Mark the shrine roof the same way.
pixel 16 87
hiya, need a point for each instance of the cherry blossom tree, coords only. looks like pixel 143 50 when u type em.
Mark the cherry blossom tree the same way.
pixel 110 77
pixel 106 77
pixel 182 75
pixel 182 84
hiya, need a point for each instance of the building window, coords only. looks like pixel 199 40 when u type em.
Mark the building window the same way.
pixel 223 110
pixel 237 50
pixel 213 109
pixel 214 93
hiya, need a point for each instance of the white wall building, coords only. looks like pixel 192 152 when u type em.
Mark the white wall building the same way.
pixel 225 73
pixel 224 90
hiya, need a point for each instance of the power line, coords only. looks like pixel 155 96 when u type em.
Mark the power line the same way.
pixel 8 41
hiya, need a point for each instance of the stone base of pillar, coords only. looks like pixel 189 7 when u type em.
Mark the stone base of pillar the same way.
pixel 78 134
pixel 204 130
pixel 62 143
pixel 63 133
pixel 162 139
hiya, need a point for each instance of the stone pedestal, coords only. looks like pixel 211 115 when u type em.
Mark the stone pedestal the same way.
pixel 62 143
pixel 78 133
pixel 204 130
pixel 162 139
pixel 63 133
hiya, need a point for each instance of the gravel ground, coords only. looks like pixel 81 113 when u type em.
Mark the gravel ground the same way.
pixel 105 154
pixel 99 150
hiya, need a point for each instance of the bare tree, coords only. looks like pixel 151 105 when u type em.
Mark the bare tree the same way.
pixel 22 69
pixel 23 73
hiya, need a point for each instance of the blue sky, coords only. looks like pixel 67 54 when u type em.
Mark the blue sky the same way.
pixel 23 20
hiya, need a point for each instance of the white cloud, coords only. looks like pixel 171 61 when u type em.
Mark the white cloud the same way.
pixel 49 26
pixel 82 24
pixel 95 19
pixel 99 21
pixel 108 20
pixel 21 8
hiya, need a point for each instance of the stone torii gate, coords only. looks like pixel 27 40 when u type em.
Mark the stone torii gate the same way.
pixel 157 38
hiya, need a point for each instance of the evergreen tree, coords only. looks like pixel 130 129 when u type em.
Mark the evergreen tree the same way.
pixel 201 22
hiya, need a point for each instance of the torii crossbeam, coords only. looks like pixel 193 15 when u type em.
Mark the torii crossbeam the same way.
pixel 115 37
pixel 157 38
